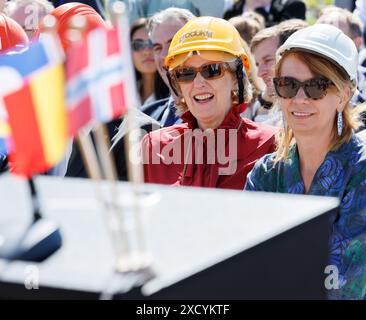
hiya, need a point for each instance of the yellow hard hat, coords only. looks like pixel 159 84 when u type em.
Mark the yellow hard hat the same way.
pixel 206 34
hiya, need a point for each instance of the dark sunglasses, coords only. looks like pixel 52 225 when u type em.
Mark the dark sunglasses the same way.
pixel 314 88
pixel 140 44
pixel 208 71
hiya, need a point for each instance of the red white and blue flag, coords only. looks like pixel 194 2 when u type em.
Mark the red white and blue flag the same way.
pixel 98 77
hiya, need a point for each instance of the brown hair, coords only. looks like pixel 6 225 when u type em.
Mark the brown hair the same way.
pixel 262 35
pixel 351 116
pixel 255 16
pixel 138 24
pixel 354 23
pixel 247 27
pixel 283 31
pixel 288 27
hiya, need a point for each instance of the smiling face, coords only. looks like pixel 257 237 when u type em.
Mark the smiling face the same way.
pixel 305 116
pixel 143 59
pixel 208 100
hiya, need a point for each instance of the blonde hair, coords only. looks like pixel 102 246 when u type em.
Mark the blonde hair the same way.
pixel 351 116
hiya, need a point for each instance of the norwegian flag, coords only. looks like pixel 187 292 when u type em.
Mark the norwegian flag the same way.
pixel 98 75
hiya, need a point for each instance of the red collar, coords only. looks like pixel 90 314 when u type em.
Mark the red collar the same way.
pixel 232 119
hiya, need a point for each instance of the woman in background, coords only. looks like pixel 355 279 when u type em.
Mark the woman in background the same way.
pixel 143 60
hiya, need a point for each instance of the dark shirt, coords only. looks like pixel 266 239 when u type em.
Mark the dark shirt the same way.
pixel 163 111
pixel 3 163
pixel 76 166
pixel 279 11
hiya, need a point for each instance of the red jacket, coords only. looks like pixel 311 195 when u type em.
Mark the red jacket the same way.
pixel 165 150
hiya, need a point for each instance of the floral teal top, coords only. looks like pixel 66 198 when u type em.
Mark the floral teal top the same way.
pixel 342 175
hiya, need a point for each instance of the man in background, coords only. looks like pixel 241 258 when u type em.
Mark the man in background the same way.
pixel 264 46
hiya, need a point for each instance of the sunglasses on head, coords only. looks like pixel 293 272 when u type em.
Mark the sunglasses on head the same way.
pixel 314 88
pixel 140 44
pixel 208 71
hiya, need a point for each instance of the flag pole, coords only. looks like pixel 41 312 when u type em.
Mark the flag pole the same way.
pixel 103 146
pixel 119 17
pixel 84 142
pixel 35 201
pixel 88 156
pixel 106 10
pixel 77 25
pixel 103 165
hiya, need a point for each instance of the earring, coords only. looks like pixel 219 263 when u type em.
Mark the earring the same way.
pixel 339 123
pixel 235 97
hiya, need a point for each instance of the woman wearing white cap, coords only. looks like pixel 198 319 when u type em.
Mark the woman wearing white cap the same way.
pixel 318 152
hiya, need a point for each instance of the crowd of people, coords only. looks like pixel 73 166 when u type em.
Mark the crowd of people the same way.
pixel 250 97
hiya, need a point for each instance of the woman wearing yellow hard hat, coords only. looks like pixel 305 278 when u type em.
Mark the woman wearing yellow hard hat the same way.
pixel 214 147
